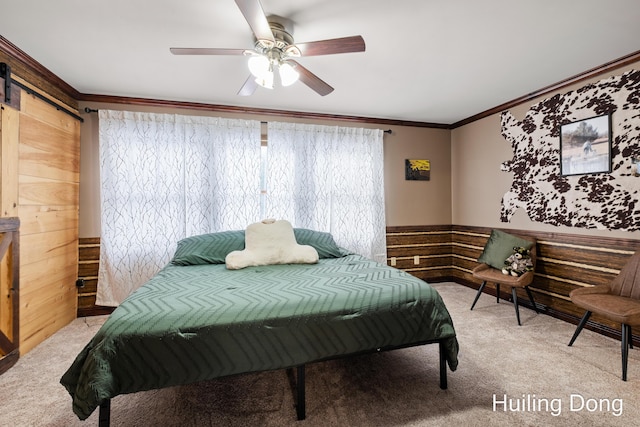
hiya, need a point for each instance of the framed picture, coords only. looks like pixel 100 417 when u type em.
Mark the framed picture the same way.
pixel 417 170
pixel 585 146
pixel 635 166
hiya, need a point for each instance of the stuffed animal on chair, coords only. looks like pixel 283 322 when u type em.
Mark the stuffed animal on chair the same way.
pixel 518 263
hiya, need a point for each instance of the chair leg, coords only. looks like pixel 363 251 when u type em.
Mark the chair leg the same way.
pixel 526 288
pixel 583 322
pixel 630 337
pixel 625 350
pixel 497 293
pixel 478 294
pixel 515 304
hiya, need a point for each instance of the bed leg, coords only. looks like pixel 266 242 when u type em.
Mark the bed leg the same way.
pixel 443 366
pixel 300 404
pixel 104 418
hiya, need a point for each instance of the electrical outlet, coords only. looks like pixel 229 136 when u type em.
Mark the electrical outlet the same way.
pixel 416 260
pixel 393 261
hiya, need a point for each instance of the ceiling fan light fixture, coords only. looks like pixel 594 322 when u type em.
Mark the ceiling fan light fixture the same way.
pixel 274 47
pixel 266 80
pixel 260 66
pixel 288 74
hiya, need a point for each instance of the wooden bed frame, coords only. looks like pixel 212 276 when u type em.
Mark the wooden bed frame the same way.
pixel 9 287
pixel 104 417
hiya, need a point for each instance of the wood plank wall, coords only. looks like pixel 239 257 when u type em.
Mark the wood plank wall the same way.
pixel 564 262
pixel 88 263
pixel 430 247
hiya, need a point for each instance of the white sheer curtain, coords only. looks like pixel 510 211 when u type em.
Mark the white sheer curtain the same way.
pixel 329 179
pixel 165 177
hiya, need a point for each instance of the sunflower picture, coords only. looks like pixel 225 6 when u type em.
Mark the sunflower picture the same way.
pixel 417 170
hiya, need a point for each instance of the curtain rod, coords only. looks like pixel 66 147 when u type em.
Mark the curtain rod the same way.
pixel 385 131
pixel 89 110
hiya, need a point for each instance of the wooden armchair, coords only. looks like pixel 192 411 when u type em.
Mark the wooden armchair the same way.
pixel 619 302
pixel 488 273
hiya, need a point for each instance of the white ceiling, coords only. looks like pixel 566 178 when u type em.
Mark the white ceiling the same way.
pixel 425 60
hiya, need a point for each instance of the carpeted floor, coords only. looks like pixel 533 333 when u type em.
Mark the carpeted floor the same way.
pixel 531 368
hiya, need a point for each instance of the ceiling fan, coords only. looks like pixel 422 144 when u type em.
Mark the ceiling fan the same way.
pixel 275 50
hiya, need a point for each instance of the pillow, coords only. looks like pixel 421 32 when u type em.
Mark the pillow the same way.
pixel 322 242
pixel 500 246
pixel 270 242
pixel 210 248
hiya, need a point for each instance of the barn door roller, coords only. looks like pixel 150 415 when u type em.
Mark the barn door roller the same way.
pixel 5 73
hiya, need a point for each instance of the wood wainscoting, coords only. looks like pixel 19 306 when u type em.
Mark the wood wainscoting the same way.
pixel 424 251
pixel 439 253
pixel 88 263
pixel 564 262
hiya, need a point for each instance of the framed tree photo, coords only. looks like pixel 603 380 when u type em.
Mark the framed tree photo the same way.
pixel 585 146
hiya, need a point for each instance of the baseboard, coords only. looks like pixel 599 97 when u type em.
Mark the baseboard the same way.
pixel 95 311
pixel 8 360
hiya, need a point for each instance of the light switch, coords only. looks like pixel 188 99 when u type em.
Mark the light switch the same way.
pixel 393 261
pixel 416 259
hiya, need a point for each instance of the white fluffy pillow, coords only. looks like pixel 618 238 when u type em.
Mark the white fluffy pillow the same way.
pixel 270 242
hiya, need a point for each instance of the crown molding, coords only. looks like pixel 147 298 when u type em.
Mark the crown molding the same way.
pixel 594 72
pixel 148 102
pixel 34 72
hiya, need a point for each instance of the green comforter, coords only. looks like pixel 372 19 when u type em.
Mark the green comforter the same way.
pixel 194 323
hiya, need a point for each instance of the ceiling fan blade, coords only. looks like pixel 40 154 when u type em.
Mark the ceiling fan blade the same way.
pixel 248 87
pixel 205 51
pixel 311 80
pixel 254 14
pixel 332 46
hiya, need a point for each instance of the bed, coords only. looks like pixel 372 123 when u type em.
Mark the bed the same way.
pixel 196 320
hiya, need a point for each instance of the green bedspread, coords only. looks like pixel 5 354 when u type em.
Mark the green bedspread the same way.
pixel 194 323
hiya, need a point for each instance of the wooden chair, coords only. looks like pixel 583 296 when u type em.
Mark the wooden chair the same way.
pixel 619 302
pixel 487 273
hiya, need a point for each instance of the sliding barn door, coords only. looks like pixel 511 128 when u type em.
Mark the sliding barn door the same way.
pixel 48 191
pixel 40 174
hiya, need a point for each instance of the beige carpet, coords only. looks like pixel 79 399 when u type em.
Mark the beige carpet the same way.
pixel 529 365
